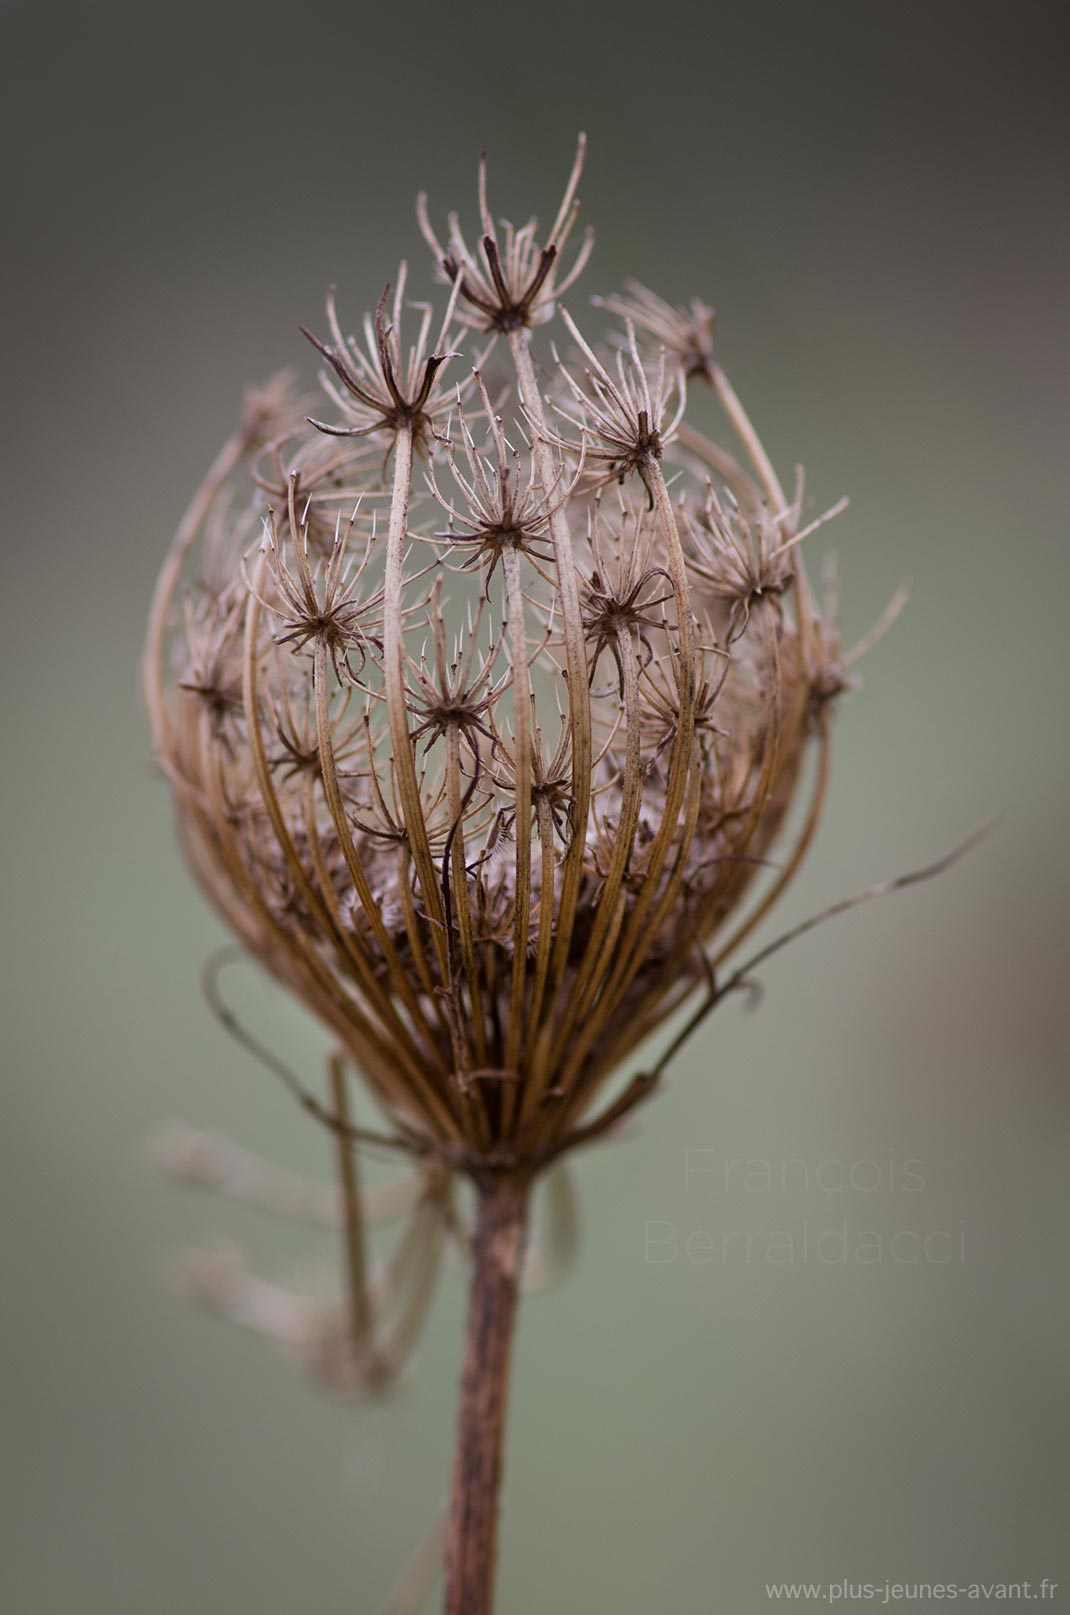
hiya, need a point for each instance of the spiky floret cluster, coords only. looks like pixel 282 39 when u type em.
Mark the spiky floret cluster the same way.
pixel 484 700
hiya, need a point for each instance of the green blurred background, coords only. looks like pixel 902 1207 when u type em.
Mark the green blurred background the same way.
pixel 874 198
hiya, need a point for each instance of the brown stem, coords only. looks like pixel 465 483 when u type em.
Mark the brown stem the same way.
pixel 471 1540
pixel 352 1219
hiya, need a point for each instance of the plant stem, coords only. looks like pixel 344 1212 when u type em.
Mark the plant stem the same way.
pixel 471 1540
pixel 352 1219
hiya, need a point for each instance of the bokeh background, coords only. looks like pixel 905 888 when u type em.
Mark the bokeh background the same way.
pixel 874 198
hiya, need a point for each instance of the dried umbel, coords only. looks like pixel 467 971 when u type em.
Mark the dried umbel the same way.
pixel 484 692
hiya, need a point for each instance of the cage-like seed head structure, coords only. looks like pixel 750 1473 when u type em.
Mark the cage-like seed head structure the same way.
pixel 485 692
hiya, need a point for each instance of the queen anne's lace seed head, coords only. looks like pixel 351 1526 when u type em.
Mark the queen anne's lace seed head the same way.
pixel 484 701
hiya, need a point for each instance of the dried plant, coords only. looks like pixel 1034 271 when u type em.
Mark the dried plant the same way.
pixel 483 703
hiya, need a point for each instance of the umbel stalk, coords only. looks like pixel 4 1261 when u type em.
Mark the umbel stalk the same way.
pixel 472 1531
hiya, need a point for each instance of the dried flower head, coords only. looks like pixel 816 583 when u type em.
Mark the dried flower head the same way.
pixel 513 286
pixel 685 333
pixel 485 795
